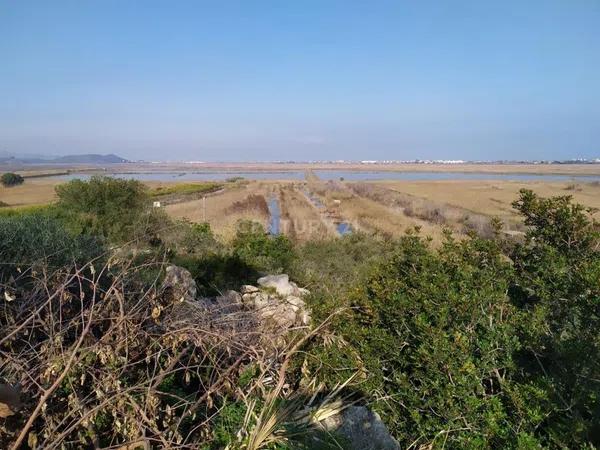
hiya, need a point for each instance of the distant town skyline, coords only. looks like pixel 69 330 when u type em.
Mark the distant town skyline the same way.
pixel 312 80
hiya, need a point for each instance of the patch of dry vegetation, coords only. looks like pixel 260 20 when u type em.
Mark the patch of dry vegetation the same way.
pixel 31 192
pixel 106 359
pixel 253 202
pixel 491 198
pixel 185 189
pixel 436 213
pixel 225 209
pixel 300 220
pixel 364 214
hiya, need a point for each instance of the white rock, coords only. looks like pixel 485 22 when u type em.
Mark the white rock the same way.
pixel 248 289
pixel 256 300
pixel 281 284
pixel 296 303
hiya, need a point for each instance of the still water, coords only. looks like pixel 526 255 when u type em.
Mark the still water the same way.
pixel 349 175
pixel 275 215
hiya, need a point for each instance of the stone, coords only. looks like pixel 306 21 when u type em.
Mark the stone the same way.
pixel 296 303
pixel 281 284
pixel 279 315
pixel 248 289
pixel 256 300
pixel 180 283
pixel 229 302
pixel 362 428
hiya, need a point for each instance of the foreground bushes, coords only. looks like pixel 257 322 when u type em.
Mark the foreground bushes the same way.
pixel 467 348
pixel 557 285
pixel 109 207
pixel 479 343
pixel 38 240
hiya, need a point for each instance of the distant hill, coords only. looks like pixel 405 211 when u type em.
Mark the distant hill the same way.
pixel 68 159
pixel 90 159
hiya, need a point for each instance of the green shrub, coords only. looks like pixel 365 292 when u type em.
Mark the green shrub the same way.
pixel 557 285
pixel 186 188
pixel 27 210
pixel 9 179
pixel 40 240
pixel 433 334
pixel 264 252
pixel 105 206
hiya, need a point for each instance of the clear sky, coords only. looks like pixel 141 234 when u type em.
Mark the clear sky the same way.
pixel 298 80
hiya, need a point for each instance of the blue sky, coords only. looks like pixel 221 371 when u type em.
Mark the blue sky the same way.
pixel 298 80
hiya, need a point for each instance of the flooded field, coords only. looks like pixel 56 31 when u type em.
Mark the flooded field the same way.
pixel 345 175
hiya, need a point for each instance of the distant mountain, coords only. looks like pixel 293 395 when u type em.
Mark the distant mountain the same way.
pixel 90 159
pixel 68 159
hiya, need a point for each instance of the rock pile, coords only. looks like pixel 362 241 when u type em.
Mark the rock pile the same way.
pixel 262 315
pixel 276 305
pixel 278 302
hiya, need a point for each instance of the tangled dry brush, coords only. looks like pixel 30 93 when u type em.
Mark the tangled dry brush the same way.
pixel 113 357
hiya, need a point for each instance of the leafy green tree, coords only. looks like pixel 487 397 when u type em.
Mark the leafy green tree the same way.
pixel 9 179
pixel 110 207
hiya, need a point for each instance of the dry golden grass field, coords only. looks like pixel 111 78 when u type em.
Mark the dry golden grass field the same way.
pixel 493 198
pixel 35 191
pixel 223 210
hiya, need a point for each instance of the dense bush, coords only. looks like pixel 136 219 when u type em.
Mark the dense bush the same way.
pixel 477 346
pixel 38 240
pixel 433 334
pixel 9 179
pixel 251 254
pixel 264 252
pixel 110 207
pixel 558 286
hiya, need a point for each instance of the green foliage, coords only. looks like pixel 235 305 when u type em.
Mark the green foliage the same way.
pixel 558 285
pixel 228 423
pixel 10 179
pixel 105 206
pixel 433 334
pixel 559 223
pixel 185 189
pixel 26 210
pixel 264 252
pixel 478 344
pixel 38 239
pixel 198 239
pixel 216 267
